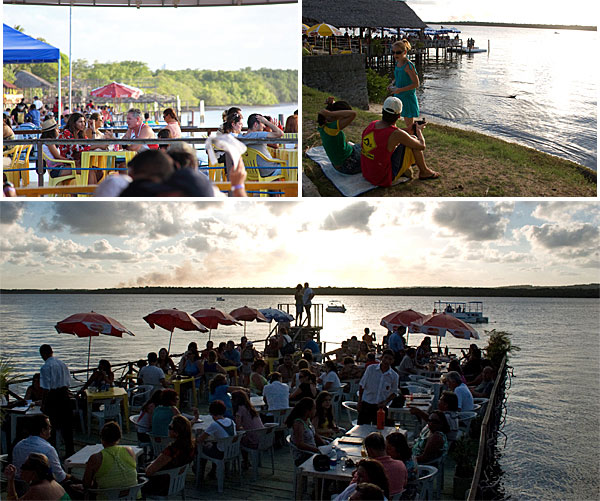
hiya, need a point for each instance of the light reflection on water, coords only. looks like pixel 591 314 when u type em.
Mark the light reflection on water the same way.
pixel 550 73
pixel 553 410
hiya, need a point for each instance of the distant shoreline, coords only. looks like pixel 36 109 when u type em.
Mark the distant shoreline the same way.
pixel 571 291
pixel 517 25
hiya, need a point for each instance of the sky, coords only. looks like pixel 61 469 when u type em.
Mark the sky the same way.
pixel 214 38
pixel 581 12
pixel 327 242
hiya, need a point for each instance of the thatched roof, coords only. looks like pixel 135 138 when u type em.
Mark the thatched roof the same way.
pixel 360 14
pixel 26 80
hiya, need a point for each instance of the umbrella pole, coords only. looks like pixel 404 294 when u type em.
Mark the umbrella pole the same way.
pixel 88 364
pixel 209 333
pixel 244 327
pixel 170 337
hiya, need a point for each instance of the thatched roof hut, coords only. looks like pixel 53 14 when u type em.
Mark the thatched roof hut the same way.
pixel 361 14
pixel 27 80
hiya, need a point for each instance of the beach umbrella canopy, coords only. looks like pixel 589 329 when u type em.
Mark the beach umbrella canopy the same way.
pixel 437 325
pixel 89 325
pixel 171 319
pixel 304 28
pixel 402 318
pixel 275 314
pixel 324 30
pixel 115 90
pixel 212 318
pixel 247 315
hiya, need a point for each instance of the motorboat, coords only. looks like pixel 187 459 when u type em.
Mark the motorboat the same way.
pixel 220 298
pixel 336 307
pixel 470 312
pixel 466 50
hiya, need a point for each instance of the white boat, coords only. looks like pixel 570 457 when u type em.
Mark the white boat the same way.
pixel 336 307
pixel 220 298
pixel 470 312
pixel 466 50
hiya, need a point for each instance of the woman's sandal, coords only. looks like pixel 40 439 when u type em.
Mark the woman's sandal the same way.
pixel 435 175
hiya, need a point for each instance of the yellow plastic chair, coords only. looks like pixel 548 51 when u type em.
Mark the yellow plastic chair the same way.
pixel 23 164
pixel 62 180
pixel 14 154
pixel 250 159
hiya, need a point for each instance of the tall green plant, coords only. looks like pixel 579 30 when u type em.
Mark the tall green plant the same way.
pixel 499 345
pixel 376 86
pixel 8 376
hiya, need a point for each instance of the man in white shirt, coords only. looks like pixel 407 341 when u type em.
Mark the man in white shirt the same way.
pixel 465 399
pixel 151 373
pixel 307 300
pixel 56 401
pixel 377 387
pixel 276 393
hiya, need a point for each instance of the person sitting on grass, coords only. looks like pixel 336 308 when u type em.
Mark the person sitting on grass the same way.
pixel 332 120
pixel 112 467
pixel 387 151
pixel 36 472
pixel 179 453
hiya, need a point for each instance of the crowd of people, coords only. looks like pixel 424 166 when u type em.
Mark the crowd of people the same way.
pixel 158 170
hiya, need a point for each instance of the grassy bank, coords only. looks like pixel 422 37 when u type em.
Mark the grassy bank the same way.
pixel 471 164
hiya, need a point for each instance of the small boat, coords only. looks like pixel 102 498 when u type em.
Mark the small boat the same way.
pixel 470 312
pixel 336 307
pixel 220 298
pixel 466 50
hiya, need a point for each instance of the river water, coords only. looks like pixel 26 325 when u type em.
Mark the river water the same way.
pixel 553 412
pixel 549 71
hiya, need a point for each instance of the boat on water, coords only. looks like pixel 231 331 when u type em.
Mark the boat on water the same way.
pixel 470 312
pixel 220 298
pixel 336 307
pixel 466 50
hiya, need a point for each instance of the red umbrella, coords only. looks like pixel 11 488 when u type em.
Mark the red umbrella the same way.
pixel 115 90
pixel 247 314
pixel 437 325
pixel 212 318
pixel 401 318
pixel 89 325
pixel 172 318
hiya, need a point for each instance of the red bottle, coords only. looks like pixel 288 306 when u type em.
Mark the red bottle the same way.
pixel 380 419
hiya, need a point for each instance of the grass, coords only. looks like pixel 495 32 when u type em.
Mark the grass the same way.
pixel 471 164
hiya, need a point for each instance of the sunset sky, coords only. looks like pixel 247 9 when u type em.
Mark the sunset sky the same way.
pixel 325 242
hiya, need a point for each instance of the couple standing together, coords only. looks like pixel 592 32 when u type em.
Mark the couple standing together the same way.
pixel 303 297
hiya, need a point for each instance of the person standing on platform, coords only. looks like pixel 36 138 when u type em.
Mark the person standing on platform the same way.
pixel 308 294
pixel 378 387
pixel 56 401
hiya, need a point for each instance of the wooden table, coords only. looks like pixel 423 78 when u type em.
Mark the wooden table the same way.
pixel 81 457
pixel 114 392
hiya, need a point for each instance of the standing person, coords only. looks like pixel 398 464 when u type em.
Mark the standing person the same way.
pixel 307 296
pixel 56 402
pixel 173 123
pixel 405 82
pixel 397 344
pixel 299 298
pixel 377 387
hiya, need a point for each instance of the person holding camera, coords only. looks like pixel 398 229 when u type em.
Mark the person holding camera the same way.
pixel 387 152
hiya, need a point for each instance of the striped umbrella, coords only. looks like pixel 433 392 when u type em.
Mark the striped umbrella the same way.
pixel 304 28
pixel 324 30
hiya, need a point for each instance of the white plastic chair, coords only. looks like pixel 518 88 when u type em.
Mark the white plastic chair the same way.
pixel 336 403
pixel 351 411
pixel 425 482
pixel 266 438
pixel 126 493
pixel 176 482
pixel 352 393
pixel 231 454
pixel 438 478
pixel 293 450
pixel 110 412
pixel 464 422
pixel 416 388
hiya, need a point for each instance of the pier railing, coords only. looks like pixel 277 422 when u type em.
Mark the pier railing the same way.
pixel 483 480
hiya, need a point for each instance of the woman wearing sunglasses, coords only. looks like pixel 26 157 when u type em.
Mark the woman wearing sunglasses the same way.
pixel 405 82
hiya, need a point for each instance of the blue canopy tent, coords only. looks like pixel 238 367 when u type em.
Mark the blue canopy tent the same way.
pixel 21 48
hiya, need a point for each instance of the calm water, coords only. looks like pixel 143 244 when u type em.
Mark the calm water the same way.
pixel 551 73
pixel 553 418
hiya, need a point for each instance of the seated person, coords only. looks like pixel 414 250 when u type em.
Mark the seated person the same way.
pixel 368 471
pixel 424 350
pixel 112 467
pixel 307 386
pixel 432 442
pixel 36 472
pixel 164 134
pixel 211 365
pixel 288 369
pixel 397 448
pixel 179 453
pixel 371 359
pixel 332 120
pixel 473 365
pixel 387 151
pixel 448 404
pixel 340 354
pixel 363 351
pixel 232 355
pixel 353 345
pixel 247 419
pixel 323 420
pixel 74 130
pixel 350 370
pixel 50 131
pixel 193 367
pixel 137 129
pixel 35 391
pixel 165 362
pixel 221 427
pixel 408 365
pixel 151 374
pixel 303 434
pixel 173 124
pixel 330 380
pixel 484 389
pixel 257 380
pixel 396 470
pixel 102 378
pixel 220 390
pixel 276 393
pixel 144 422
pixel 260 127
pixel 163 414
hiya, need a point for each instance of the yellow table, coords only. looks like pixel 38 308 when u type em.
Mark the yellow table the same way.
pixel 114 392
pixel 177 387
pixel 99 158
pixel 290 157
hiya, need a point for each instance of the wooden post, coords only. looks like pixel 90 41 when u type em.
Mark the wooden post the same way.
pixel 40 163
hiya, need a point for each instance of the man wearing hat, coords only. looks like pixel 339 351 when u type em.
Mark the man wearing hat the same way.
pixel 387 151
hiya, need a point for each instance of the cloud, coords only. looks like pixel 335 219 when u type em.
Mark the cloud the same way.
pixel 280 208
pixel 353 216
pixel 577 238
pixel 561 211
pixel 11 212
pixel 197 243
pixel 472 220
